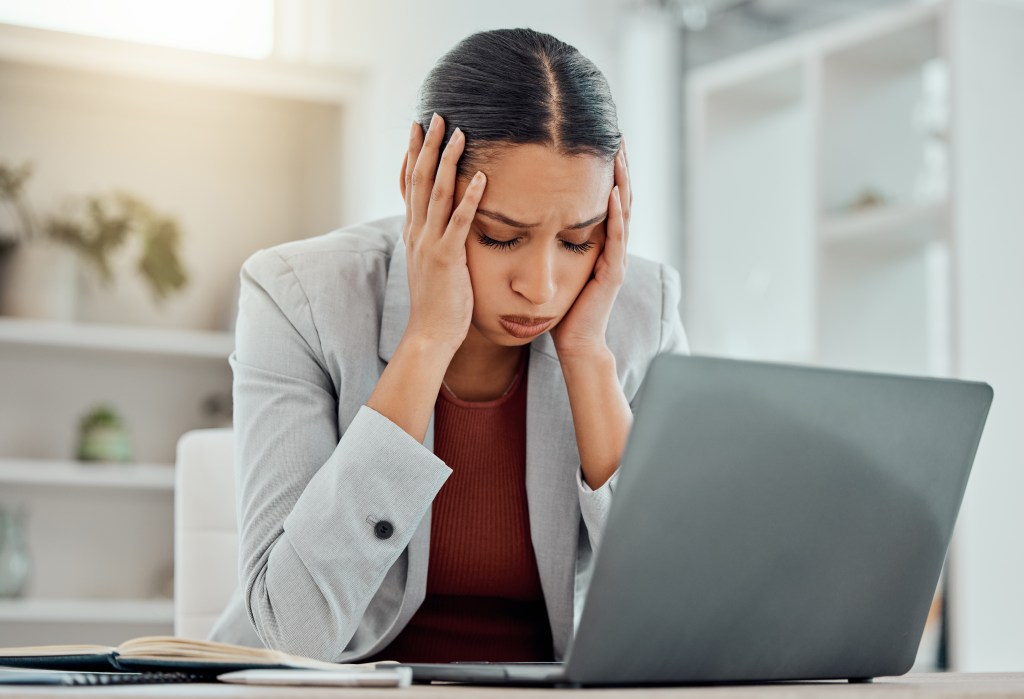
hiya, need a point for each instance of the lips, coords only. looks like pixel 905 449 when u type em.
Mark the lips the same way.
pixel 524 326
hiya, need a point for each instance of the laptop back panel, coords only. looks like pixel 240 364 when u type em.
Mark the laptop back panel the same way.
pixel 776 522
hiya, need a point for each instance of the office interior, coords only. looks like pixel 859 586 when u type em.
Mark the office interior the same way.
pixel 838 182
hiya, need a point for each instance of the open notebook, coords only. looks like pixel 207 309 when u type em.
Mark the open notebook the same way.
pixel 161 653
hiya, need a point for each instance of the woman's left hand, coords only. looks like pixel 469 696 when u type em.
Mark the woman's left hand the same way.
pixel 581 332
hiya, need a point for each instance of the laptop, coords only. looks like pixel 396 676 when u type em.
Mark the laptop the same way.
pixel 772 522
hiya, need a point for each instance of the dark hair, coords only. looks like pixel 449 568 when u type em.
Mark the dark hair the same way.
pixel 514 86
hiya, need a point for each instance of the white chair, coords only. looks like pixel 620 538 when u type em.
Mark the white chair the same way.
pixel 205 531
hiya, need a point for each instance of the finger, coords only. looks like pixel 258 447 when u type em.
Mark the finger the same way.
pixel 401 183
pixel 424 169
pixel 615 245
pixel 401 175
pixel 458 227
pixel 622 181
pixel 625 154
pixel 443 192
pixel 415 141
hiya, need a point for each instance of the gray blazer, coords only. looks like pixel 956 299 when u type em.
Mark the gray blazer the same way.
pixel 316 469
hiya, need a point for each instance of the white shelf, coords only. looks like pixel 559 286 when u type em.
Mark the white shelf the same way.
pixel 879 25
pixel 195 344
pixel 87 611
pixel 898 47
pixel 886 226
pixel 270 77
pixel 95 475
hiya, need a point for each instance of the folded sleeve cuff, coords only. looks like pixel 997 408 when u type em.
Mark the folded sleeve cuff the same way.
pixel 595 504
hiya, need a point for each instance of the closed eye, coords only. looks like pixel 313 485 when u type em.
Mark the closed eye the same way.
pixel 578 248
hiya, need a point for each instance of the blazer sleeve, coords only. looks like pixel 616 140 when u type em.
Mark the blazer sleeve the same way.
pixel 323 515
pixel 594 504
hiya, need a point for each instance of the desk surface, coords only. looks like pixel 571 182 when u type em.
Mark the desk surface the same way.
pixel 913 686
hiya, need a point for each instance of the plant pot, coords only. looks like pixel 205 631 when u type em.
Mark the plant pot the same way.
pixel 39 280
pixel 111 444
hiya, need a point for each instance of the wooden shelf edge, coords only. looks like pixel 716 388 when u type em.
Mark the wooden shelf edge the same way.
pixel 101 611
pixel 55 473
pixel 195 344
pixel 874 225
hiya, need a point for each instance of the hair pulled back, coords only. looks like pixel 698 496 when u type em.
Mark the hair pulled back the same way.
pixel 508 87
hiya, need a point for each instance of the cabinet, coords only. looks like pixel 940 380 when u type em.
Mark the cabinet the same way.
pixel 244 154
pixel 100 536
pixel 819 192
pixel 818 198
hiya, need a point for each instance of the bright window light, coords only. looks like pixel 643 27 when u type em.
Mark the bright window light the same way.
pixel 233 27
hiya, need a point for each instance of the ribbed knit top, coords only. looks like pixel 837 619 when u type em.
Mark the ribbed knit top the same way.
pixel 484 600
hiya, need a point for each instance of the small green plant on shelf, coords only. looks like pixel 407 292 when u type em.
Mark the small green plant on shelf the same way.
pixel 103 436
pixel 96 228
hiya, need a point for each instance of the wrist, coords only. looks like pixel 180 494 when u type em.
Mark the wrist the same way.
pixel 586 358
pixel 428 349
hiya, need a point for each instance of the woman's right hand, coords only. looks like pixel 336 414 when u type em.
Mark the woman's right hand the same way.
pixel 441 295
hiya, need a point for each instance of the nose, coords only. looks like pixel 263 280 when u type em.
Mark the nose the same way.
pixel 534 280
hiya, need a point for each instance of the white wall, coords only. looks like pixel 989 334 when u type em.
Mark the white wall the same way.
pixel 988 588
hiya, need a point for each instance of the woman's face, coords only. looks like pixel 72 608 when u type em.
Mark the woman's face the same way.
pixel 537 234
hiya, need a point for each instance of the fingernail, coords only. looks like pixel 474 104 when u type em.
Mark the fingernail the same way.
pixel 478 177
pixel 415 126
pixel 456 135
pixel 433 121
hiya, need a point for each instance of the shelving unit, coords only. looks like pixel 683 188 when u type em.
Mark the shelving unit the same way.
pixel 100 535
pixel 782 143
pixel 244 154
pixel 819 201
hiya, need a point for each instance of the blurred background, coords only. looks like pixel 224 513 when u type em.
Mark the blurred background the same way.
pixel 840 182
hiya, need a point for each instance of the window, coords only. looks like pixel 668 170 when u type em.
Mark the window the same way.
pixel 233 27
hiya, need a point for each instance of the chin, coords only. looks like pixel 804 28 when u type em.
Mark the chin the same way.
pixel 506 340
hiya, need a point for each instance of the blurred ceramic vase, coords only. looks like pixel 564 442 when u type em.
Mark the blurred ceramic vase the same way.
pixel 39 280
pixel 15 563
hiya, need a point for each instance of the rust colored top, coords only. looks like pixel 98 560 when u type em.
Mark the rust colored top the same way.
pixel 484 600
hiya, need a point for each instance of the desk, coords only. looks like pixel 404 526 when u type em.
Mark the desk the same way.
pixel 945 686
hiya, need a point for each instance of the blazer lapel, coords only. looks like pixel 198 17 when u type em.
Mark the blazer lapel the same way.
pixel 552 460
pixel 395 314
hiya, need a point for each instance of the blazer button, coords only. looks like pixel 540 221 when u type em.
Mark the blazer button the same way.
pixel 383 529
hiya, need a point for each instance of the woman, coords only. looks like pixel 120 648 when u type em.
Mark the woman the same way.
pixel 430 409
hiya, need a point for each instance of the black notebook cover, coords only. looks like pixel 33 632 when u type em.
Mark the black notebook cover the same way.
pixel 202 667
pixel 87 662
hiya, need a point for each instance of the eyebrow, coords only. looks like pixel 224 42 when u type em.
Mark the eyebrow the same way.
pixel 501 218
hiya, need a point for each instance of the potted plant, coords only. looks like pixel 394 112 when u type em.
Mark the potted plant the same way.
pixel 93 230
pixel 103 436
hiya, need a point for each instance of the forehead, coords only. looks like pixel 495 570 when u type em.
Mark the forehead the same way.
pixel 534 184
